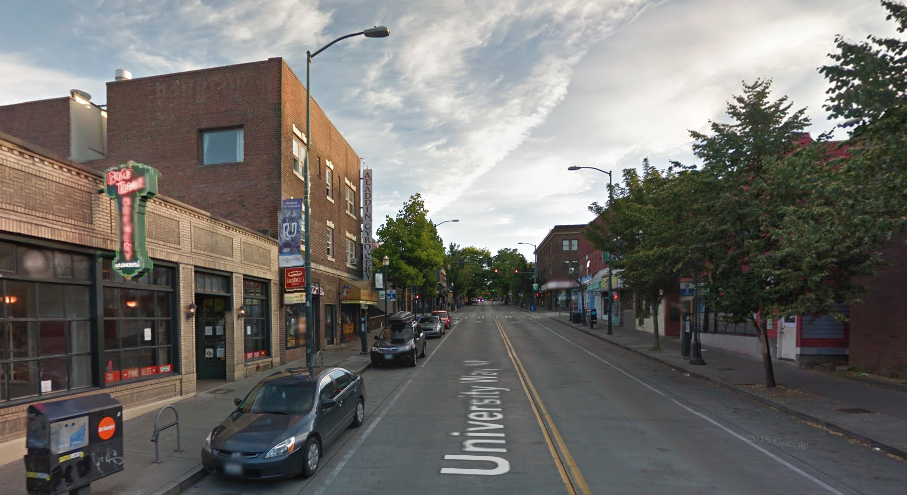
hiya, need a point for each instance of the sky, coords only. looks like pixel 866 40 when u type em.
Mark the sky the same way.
pixel 479 106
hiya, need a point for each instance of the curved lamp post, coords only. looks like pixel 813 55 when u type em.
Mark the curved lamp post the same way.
pixel 610 295
pixel 387 284
pixel 375 32
pixel 535 272
pixel 445 221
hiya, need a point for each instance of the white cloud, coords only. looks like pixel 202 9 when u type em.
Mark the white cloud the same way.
pixel 22 80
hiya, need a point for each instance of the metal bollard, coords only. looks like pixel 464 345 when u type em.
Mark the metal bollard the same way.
pixel 157 431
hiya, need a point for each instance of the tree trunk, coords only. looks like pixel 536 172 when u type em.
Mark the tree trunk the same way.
pixel 655 303
pixel 766 351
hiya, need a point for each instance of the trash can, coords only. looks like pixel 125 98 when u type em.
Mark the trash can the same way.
pixel 72 443
pixel 576 317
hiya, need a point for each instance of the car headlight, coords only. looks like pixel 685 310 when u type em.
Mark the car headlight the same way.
pixel 374 349
pixel 207 445
pixel 283 448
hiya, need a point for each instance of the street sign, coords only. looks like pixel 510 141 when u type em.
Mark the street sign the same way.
pixel 535 286
pixel 687 289
pixel 391 295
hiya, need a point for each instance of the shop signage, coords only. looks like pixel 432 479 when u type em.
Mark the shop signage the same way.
pixel 294 298
pixel 131 185
pixel 106 428
pixel 256 354
pixel 294 279
pixel 290 225
pixel 367 243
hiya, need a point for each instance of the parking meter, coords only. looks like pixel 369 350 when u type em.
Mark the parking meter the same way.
pixel 363 335
pixel 72 443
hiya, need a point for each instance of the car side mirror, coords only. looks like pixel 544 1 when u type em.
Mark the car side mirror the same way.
pixel 376 337
pixel 237 401
pixel 328 403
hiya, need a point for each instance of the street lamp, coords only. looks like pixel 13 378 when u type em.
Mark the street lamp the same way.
pixel 535 272
pixel 387 284
pixel 374 32
pixel 610 295
pixel 445 221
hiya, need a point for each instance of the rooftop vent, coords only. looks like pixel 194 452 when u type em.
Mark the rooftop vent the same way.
pixel 123 75
pixel 78 94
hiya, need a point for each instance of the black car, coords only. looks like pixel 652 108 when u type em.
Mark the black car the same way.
pixel 403 340
pixel 283 426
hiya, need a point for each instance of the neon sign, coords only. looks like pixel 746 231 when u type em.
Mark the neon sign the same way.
pixel 132 185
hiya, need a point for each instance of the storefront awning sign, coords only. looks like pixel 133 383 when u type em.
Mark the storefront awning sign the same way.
pixel 131 185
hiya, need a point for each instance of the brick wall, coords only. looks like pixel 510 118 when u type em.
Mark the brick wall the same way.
pixel 878 342
pixel 173 235
pixel 45 123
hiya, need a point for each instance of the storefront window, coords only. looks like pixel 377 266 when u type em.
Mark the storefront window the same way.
pixel 296 330
pixel 138 324
pixel 45 331
pixel 255 322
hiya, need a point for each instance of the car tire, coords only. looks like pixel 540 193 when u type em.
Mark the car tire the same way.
pixel 359 416
pixel 412 364
pixel 311 449
pixel 423 351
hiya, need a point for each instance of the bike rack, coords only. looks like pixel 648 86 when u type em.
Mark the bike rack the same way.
pixel 319 357
pixel 158 430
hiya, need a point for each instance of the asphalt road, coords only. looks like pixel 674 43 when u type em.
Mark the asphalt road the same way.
pixel 510 402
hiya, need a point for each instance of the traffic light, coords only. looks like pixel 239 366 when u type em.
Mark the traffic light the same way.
pixel 615 296
pixel 516 271
pixel 496 270
pixel 417 296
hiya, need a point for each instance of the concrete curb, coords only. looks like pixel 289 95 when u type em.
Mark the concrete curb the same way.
pixel 189 479
pixel 888 449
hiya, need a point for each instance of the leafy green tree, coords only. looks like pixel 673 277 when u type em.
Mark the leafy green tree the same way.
pixel 512 270
pixel 466 269
pixel 411 243
pixel 740 213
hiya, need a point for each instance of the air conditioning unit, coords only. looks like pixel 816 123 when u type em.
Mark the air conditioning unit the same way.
pixel 354 261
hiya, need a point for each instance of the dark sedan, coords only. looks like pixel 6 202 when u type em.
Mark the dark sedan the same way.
pixel 396 344
pixel 280 430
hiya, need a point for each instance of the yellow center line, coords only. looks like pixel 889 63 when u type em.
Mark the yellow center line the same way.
pixel 535 401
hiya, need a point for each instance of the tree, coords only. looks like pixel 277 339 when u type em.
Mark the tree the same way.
pixel 644 228
pixel 466 269
pixel 735 235
pixel 412 244
pixel 512 268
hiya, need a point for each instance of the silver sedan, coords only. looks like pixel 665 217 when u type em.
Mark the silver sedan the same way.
pixel 432 326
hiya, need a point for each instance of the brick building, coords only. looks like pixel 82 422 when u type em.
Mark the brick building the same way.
pixel 72 326
pixel 231 140
pixel 558 252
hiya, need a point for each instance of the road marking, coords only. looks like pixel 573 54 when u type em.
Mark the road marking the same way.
pixel 710 420
pixel 538 406
pixel 439 345
pixel 659 392
pixel 361 440
pixel 760 449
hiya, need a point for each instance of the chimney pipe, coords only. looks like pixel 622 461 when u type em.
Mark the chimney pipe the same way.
pixel 123 75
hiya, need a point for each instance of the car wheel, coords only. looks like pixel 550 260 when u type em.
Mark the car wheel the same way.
pixel 312 457
pixel 359 417
pixel 423 351
pixel 412 364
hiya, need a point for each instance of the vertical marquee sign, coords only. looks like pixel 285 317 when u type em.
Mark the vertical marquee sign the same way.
pixel 367 243
pixel 132 185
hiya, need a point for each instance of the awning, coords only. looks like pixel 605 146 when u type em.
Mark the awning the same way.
pixel 558 284
pixel 596 282
pixel 357 292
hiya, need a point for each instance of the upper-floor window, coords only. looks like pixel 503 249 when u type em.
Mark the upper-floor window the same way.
pixel 225 146
pixel 566 245
pixel 329 179
pixel 330 242
pixel 298 156
pixel 574 244
pixel 350 201
pixel 350 251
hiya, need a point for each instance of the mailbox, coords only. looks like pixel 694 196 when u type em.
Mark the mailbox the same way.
pixel 71 443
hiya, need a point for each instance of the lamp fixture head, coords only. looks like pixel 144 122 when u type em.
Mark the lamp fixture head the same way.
pixel 386 261
pixel 572 167
pixel 192 308
pixel 241 311
pixel 377 32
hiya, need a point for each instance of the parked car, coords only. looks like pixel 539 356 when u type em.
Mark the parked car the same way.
pixel 431 326
pixel 283 426
pixel 402 340
pixel 445 318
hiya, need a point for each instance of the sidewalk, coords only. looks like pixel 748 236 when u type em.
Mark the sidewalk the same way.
pixel 874 414
pixel 197 416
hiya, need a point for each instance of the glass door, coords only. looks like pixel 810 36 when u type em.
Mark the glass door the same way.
pixel 211 337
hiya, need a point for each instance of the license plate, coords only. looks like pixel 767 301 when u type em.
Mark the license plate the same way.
pixel 233 469
pixel 388 356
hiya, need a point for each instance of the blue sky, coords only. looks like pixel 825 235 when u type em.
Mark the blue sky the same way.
pixel 480 106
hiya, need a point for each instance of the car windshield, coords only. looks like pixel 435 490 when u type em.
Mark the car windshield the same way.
pixel 396 334
pixel 428 319
pixel 441 314
pixel 280 398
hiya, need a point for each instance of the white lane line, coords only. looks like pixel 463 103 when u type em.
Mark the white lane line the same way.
pixel 439 345
pixel 760 449
pixel 361 440
pixel 659 392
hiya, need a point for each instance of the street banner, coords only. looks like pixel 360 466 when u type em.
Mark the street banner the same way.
pixel 367 244
pixel 290 225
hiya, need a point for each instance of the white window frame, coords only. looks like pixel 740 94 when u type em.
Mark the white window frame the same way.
pixel 329 180
pixel 298 158
pixel 565 244
pixel 330 242
pixel 574 244
pixel 350 201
